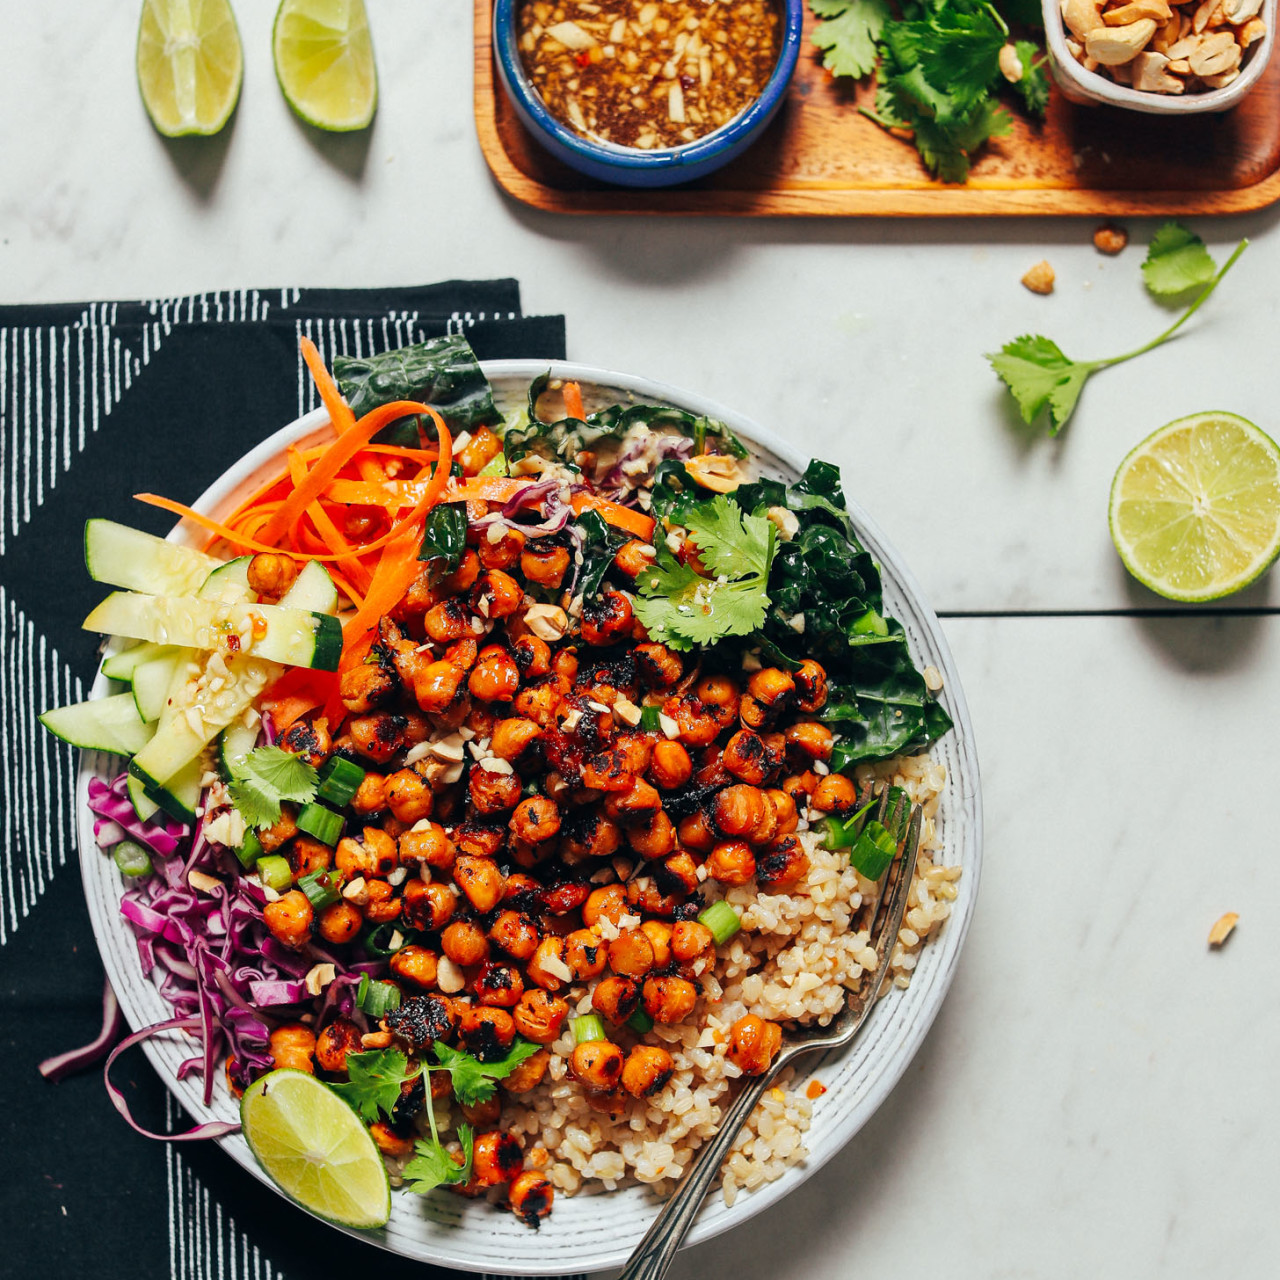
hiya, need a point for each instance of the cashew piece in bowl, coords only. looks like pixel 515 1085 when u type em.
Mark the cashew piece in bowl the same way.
pixel 1112 46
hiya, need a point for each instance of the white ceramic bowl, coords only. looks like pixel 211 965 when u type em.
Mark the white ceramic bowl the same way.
pixel 593 1232
pixel 1090 88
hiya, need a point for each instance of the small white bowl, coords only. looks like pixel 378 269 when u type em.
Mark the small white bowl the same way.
pixel 1090 88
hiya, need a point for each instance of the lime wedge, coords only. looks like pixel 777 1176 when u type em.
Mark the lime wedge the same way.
pixel 189 65
pixel 315 1149
pixel 1195 508
pixel 324 62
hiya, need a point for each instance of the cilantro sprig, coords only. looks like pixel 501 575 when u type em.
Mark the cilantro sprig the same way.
pixel 374 1080
pixel 1041 376
pixel 682 607
pixel 264 778
pixel 475 1081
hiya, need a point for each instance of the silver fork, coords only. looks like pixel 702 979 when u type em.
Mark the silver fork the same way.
pixel 653 1255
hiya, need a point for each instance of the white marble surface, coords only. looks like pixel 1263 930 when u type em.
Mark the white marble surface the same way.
pixel 1095 1097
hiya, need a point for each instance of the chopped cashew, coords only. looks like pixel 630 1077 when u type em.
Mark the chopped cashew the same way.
pixel 1040 278
pixel 1150 73
pixel 1010 64
pixel 1222 928
pixel 1082 16
pixel 1157 10
pixel 1111 46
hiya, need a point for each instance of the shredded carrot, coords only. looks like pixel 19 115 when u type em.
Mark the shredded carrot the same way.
pixel 340 415
pixel 627 519
pixel 489 488
pixel 573 401
pixel 287 710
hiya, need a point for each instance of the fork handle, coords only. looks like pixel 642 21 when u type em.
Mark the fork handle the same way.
pixel 653 1255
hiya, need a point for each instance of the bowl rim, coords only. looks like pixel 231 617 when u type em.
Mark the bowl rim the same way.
pixel 1099 89
pixel 615 155
pixel 891 1040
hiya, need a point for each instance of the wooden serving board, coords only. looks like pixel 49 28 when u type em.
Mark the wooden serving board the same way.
pixel 821 157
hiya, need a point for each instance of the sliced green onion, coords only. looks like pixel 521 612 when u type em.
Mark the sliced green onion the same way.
pixel 340 779
pixel 494 467
pixel 839 834
pixel 721 919
pixel 132 859
pixel 587 1028
pixel 640 1022
pixel 377 999
pixel 250 851
pixel 323 888
pixel 320 822
pixel 649 719
pixel 377 940
pixel 874 851
pixel 275 872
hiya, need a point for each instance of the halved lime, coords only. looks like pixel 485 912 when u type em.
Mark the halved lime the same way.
pixel 1195 508
pixel 324 62
pixel 189 65
pixel 315 1149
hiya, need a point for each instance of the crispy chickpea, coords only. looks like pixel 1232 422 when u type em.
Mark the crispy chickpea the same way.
pixel 811 686
pixel 515 933
pixel 652 837
pixel 496 594
pixel 492 792
pixel 292 1046
pixel 531 1196
pixel 272 837
pixel 499 985
pixel 669 766
pixel 565 897
pixel 307 855
pixel 486 1033
pixel 834 794
pixel 545 566
pixel 427 842
pixel 782 865
pixel 637 802
pixel 731 862
pixel 697 726
pixel 597 1065
pixel 478 452
pixel 720 695
pixel 481 880
pixel 539 1016
pixel 606 903
pixel 659 933
pixel 438 685
pixel 679 873
pixel 644 893
pixel 739 810
pixel 427 907
pixel 606 617
pixel 496 1158
pixel 539 700
pixel 416 965
pixel 511 738
pixel 367 686
pixel 535 819
pixel 634 750
pixel 528 1075
pixel 634 557
pixel 747 757
pixel 590 835
pixel 463 577
pixel 565 665
pixel 339 1038
pixel 607 771
pixel 616 997
pixel 784 807
pixel 371 795
pixel 270 575
pixel 585 952
pixel 532 655
pixel 481 1114
pixel 464 943
pixel 289 918
pixel 340 922
pixel 647 1071
pixel 809 740
pixel 409 795
pixel 502 551
pixel 481 837
pixel 691 939
pixel 495 677
pixel 772 687
pixel 631 954
pixel 753 1043
pixel 696 832
pixel 669 999
pixel 767 828
pixel 378 736
pixel 659 667
pixel 463 654
pixel 800 786
pixel 382 906
pixel 372 853
pixel 389 1142
pixel 550 950
pixel 447 621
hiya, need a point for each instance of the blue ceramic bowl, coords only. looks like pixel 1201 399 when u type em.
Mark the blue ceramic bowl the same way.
pixel 631 166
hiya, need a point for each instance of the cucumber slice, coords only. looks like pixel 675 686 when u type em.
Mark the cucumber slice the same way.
pixel 151 681
pixel 312 589
pixel 180 796
pixel 234 743
pixel 122 665
pixel 143 805
pixel 296 637
pixel 229 581
pixel 126 557
pixel 105 724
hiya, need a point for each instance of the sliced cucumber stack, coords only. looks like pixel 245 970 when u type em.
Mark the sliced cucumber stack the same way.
pixel 234 743
pixel 151 682
pixel 124 557
pixel 105 724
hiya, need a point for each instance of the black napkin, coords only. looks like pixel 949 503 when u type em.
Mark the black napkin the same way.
pixel 99 401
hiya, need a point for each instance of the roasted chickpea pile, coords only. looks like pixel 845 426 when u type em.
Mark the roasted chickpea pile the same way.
pixel 525 838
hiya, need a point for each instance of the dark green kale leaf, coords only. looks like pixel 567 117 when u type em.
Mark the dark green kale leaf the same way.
pixel 601 543
pixel 444 538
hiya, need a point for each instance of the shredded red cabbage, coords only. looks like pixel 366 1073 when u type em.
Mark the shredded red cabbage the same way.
pixel 161 834
pixel 63 1064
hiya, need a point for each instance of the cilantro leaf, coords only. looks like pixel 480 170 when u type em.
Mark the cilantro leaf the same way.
pixel 474 1081
pixel 374 1080
pixel 963 57
pixel 730 542
pixel 264 778
pixel 433 1166
pixel 849 34
pixel 1176 261
pixel 1033 87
